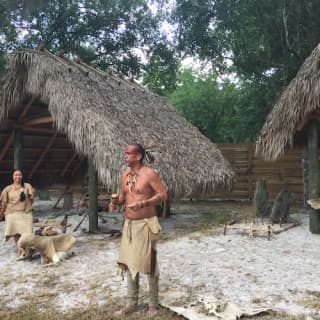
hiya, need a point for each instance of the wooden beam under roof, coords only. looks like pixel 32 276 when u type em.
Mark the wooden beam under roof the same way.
pixel 63 149
pixel 35 129
pixel 68 164
pixel 7 145
pixel 55 171
pixel 26 109
pixel 37 121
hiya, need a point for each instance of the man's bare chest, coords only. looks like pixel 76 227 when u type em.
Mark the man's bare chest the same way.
pixel 137 184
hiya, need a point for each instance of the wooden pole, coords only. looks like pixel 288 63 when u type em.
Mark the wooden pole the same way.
pixel 314 183
pixel 17 151
pixel 305 178
pixel 93 197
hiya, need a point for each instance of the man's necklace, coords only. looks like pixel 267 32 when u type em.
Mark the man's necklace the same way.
pixel 131 180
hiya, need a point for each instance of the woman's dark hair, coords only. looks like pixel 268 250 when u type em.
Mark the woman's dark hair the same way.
pixel 22 194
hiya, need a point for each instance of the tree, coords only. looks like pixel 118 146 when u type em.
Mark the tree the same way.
pixel 263 42
pixel 108 33
pixel 259 37
pixel 222 111
pixel 207 104
pixel 161 70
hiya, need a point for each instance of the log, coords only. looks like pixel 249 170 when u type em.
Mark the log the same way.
pixel 57 202
pixel 80 223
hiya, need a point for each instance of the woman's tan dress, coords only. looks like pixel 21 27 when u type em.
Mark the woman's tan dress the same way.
pixel 18 213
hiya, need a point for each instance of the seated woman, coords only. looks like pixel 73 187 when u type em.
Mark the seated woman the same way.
pixel 17 199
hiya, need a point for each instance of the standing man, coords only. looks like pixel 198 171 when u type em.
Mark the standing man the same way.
pixel 141 191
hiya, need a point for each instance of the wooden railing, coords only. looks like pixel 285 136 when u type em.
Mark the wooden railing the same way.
pixel 285 172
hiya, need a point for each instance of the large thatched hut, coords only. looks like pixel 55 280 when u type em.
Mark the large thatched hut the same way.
pixel 62 111
pixel 294 120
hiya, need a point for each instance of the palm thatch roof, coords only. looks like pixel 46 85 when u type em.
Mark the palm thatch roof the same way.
pixel 299 102
pixel 100 114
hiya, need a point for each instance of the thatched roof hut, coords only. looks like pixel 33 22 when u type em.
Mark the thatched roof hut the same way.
pixel 299 103
pixel 75 109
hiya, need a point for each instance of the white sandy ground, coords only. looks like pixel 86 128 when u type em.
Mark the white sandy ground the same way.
pixel 252 273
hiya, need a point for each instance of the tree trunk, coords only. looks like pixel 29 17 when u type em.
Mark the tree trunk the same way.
pixel 314 183
pixel 93 197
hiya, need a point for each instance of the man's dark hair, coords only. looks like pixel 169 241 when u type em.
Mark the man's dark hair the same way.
pixel 140 150
pixel 145 154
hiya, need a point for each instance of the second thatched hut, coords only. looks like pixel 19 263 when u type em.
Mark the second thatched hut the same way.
pixel 294 120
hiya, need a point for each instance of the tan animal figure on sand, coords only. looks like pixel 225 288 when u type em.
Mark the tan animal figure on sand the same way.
pixel 52 249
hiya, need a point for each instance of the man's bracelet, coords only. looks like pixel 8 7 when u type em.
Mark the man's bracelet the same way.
pixel 143 204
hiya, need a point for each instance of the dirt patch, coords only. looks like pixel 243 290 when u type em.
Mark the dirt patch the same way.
pixel 195 258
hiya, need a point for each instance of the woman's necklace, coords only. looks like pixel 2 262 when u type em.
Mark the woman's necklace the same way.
pixel 17 186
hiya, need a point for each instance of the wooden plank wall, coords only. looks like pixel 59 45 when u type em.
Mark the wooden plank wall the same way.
pixel 249 169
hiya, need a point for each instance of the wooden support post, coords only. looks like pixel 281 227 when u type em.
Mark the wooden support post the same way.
pixel 93 197
pixel 43 194
pixel 269 232
pixel 314 183
pixel 17 151
pixel 305 178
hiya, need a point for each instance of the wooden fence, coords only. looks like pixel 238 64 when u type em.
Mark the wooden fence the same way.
pixel 287 171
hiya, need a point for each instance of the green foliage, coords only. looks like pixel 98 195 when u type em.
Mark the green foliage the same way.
pixel 113 33
pixel 224 112
pixel 204 103
pixel 258 36
pixel 161 71
pixel 263 42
